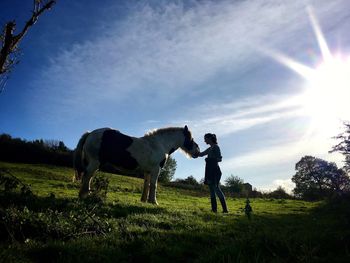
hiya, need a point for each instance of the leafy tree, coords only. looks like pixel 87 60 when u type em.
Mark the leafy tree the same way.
pixel 234 184
pixel 344 146
pixel 9 41
pixel 168 171
pixel 316 178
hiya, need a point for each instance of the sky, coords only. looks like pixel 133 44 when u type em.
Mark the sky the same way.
pixel 268 77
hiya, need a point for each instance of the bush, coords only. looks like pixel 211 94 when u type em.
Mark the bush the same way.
pixel 279 193
pixel 100 187
pixel 10 183
pixel 188 181
pixel 24 216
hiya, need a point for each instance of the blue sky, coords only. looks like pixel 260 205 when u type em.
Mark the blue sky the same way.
pixel 217 66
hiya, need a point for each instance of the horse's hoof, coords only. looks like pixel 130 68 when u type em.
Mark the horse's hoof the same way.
pixel 143 200
pixel 153 202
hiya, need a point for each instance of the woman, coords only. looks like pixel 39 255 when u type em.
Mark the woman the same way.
pixel 213 172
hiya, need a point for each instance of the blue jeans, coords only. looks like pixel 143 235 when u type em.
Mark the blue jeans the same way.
pixel 216 191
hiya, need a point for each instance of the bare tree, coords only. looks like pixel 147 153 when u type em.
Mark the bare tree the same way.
pixel 9 41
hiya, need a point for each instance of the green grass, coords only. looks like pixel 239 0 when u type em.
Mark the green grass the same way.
pixel 54 226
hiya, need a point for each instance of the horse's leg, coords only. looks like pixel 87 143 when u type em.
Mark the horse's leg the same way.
pixel 153 187
pixel 86 179
pixel 147 178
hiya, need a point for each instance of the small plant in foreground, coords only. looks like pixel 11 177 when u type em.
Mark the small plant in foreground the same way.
pixel 248 209
pixel 100 188
pixel 9 183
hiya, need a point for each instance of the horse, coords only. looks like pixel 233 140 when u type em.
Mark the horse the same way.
pixel 147 155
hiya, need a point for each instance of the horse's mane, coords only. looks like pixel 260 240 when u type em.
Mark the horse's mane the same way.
pixel 164 130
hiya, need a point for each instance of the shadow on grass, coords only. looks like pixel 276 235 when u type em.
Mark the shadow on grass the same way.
pixel 322 235
pixel 263 239
pixel 40 204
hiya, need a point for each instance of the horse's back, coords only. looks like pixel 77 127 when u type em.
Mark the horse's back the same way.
pixel 113 150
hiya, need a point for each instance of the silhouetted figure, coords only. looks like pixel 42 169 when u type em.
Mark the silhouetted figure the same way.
pixel 213 172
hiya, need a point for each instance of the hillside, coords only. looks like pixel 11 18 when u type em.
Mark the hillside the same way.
pixel 50 225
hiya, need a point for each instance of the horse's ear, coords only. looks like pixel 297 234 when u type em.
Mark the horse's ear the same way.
pixel 186 128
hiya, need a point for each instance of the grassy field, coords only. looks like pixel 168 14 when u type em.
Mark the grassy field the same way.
pixel 51 225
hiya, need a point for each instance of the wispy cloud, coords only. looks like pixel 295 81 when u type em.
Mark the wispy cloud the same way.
pixel 272 155
pixel 278 154
pixel 160 53
pixel 225 119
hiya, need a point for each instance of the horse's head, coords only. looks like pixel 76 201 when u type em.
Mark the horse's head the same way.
pixel 189 145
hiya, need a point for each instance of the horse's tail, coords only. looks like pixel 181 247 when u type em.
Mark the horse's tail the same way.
pixel 78 160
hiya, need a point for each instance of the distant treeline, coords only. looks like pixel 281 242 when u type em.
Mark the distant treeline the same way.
pixel 237 190
pixel 41 151
pixel 52 152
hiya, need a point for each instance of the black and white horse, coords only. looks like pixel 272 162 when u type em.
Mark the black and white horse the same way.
pixel 146 154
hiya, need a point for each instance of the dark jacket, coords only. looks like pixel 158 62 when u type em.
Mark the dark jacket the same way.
pixel 212 171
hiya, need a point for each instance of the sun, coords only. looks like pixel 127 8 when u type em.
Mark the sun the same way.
pixel 326 95
pixel 327 92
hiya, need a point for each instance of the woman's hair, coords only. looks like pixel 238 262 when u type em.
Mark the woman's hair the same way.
pixel 212 137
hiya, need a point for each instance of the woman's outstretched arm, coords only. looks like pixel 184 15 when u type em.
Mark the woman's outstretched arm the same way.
pixel 201 154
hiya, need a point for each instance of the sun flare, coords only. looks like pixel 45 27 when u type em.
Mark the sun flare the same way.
pixel 327 92
pixel 326 96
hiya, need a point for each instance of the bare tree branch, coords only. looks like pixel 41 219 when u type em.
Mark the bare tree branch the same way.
pixel 10 41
